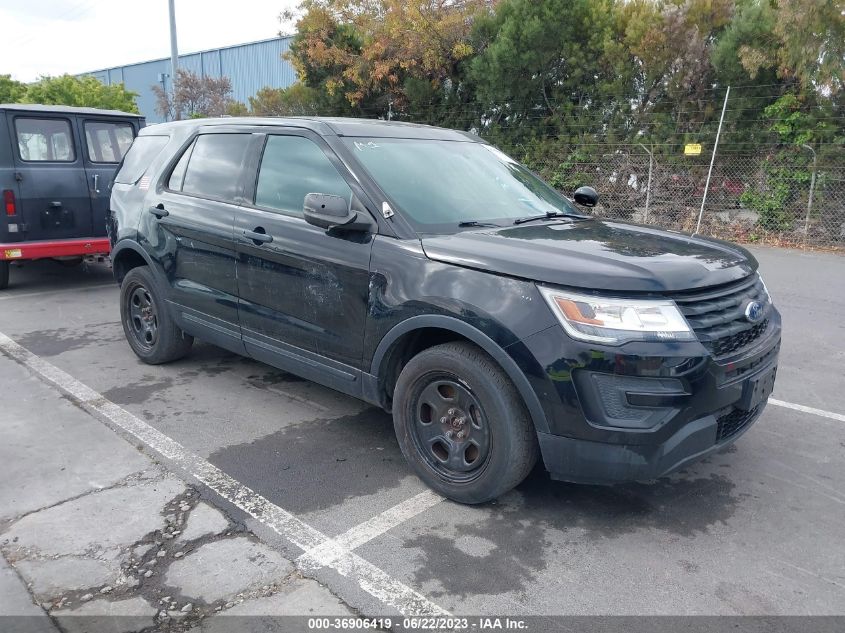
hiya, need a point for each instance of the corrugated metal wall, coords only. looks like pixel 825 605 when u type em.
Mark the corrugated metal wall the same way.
pixel 249 67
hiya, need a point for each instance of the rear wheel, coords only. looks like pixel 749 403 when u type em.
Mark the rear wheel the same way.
pixel 147 324
pixel 462 425
pixel 4 274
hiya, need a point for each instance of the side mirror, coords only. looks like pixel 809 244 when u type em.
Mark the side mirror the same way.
pixel 586 196
pixel 333 212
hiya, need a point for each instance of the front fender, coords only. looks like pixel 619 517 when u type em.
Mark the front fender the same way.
pixel 499 354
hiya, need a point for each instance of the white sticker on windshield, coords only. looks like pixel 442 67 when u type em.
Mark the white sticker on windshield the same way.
pixel 363 146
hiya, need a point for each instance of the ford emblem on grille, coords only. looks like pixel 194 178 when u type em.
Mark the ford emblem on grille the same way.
pixel 754 311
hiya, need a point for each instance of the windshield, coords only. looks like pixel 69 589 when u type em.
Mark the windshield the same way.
pixel 439 184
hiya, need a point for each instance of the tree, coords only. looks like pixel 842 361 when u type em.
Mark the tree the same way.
pixel 366 50
pixel 806 42
pixel 544 65
pixel 11 91
pixel 80 91
pixel 194 96
pixel 295 100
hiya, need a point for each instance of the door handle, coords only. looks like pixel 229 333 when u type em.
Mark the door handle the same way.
pixel 159 211
pixel 258 236
pixel 96 178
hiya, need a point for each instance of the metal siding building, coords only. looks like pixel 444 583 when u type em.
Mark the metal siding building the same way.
pixel 249 67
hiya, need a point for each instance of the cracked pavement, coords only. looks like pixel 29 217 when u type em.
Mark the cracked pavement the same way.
pixel 92 526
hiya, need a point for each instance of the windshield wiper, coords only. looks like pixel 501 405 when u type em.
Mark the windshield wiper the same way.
pixel 549 215
pixel 476 223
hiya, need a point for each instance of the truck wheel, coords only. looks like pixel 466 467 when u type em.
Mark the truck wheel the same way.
pixel 148 327
pixel 462 425
pixel 4 274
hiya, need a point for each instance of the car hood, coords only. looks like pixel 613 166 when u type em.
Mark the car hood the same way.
pixel 595 254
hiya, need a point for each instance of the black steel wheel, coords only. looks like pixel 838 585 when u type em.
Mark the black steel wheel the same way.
pixel 461 423
pixel 4 274
pixel 150 331
pixel 143 317
pixel 449 428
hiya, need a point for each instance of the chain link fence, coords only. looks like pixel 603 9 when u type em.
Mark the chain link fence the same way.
pixel 775 195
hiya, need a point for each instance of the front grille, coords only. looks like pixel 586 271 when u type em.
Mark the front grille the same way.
pixel 718 315
pixel 733 422
pixel 729 344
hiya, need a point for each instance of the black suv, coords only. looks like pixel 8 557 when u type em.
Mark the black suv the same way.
pixel 424 271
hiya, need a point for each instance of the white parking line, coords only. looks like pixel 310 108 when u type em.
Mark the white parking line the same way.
pixel 325 553
pixel 370 578
pixel 806 409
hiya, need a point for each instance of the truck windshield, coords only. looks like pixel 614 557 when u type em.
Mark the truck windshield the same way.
pixel 442 184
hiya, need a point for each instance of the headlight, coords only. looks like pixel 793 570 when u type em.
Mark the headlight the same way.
pixel 617 321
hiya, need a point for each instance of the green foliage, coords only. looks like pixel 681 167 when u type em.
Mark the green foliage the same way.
pixel 11 91
pixel 236 108
pixel 80 91
pixel 777 197
pixel 297 99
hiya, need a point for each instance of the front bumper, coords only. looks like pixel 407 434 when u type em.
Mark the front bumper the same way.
pixel 639 412
pixel 586 462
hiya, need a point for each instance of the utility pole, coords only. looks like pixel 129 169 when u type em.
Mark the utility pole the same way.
pixel 812 187
pixel 648 186
pixel 174 59
pixel 712 158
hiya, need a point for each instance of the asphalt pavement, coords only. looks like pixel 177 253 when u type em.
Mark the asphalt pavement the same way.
pixel 319 478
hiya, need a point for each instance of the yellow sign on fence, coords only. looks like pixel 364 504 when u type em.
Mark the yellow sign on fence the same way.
pixel 692 149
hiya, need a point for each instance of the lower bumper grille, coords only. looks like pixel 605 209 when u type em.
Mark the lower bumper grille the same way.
pixel 733 422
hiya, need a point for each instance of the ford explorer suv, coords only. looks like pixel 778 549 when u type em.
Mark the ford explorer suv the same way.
pixel 424 271
pixel 56 163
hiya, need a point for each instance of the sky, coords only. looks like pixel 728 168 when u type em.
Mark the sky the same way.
pixel 53 37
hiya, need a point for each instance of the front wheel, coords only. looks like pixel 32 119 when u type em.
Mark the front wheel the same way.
pixel 147 324
pixel 462 425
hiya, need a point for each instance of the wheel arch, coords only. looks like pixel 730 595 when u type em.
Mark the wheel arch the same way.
pixel 128 255
pixel 421 332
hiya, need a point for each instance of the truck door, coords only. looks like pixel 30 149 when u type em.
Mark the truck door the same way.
pixel 53 195
pixel 105 141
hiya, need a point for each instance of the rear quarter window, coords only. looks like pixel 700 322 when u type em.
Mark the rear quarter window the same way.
pixel 141 154
pixel 215 164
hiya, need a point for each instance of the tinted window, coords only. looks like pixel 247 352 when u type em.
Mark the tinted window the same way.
pixel 107 142
pixel 215 165
pixel 177 176
pixel 293 166
pixel 45 139
pixel 138 158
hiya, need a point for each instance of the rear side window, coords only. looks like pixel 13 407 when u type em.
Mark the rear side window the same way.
pixel 45 140
pixel 291 168
pixel 107 142
pixel 142 152
pixel 214 166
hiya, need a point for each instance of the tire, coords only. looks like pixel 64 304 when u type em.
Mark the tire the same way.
pixel 147 323
pixel 458 388
pixel 4 274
